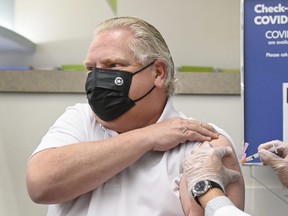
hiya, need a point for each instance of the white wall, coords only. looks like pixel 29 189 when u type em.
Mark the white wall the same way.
pixel 199 32
pixel 25 118
pixel 7 13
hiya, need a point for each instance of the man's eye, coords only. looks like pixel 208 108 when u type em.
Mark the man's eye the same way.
pixel 113 65
pixel 90 68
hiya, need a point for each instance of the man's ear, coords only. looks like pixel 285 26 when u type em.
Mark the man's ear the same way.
pixel 160 73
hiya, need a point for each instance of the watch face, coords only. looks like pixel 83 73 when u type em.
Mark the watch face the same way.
pixel 200 188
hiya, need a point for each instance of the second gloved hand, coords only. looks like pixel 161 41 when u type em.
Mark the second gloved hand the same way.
pixel 279 162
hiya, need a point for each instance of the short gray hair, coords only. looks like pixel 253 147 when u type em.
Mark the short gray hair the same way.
pixel 147 44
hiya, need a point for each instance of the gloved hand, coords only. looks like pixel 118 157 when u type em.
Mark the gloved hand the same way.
pixel 205 162
pixel 279 162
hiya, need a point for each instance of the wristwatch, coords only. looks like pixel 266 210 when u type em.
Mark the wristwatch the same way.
pixel 202 187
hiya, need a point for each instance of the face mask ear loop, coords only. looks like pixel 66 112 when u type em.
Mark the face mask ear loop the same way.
pixel 151 88
pixel 143 68
pixel 145 94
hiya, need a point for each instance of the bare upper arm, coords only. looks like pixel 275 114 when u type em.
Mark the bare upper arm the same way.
pixel 234 191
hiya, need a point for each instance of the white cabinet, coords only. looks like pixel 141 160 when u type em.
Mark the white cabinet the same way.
pixel 11 41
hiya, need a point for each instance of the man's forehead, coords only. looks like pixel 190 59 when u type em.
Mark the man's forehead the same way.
pixel 110 59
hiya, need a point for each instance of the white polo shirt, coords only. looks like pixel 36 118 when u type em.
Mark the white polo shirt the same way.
pixel 149 187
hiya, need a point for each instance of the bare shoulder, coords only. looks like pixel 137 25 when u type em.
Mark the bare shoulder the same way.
pixel 221 141
pixel 230 161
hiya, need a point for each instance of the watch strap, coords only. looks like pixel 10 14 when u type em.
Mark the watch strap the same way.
pixel 213 185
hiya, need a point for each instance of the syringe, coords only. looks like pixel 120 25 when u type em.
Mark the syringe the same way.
pixel 273 149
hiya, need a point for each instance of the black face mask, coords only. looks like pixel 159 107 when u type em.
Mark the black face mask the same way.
pixel 107 92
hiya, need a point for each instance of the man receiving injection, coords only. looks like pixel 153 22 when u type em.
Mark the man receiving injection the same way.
pixel 214 201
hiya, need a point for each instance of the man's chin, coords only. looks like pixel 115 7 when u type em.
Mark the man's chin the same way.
pixel 115 124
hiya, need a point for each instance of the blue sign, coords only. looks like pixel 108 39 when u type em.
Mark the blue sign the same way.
pixel 265 69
